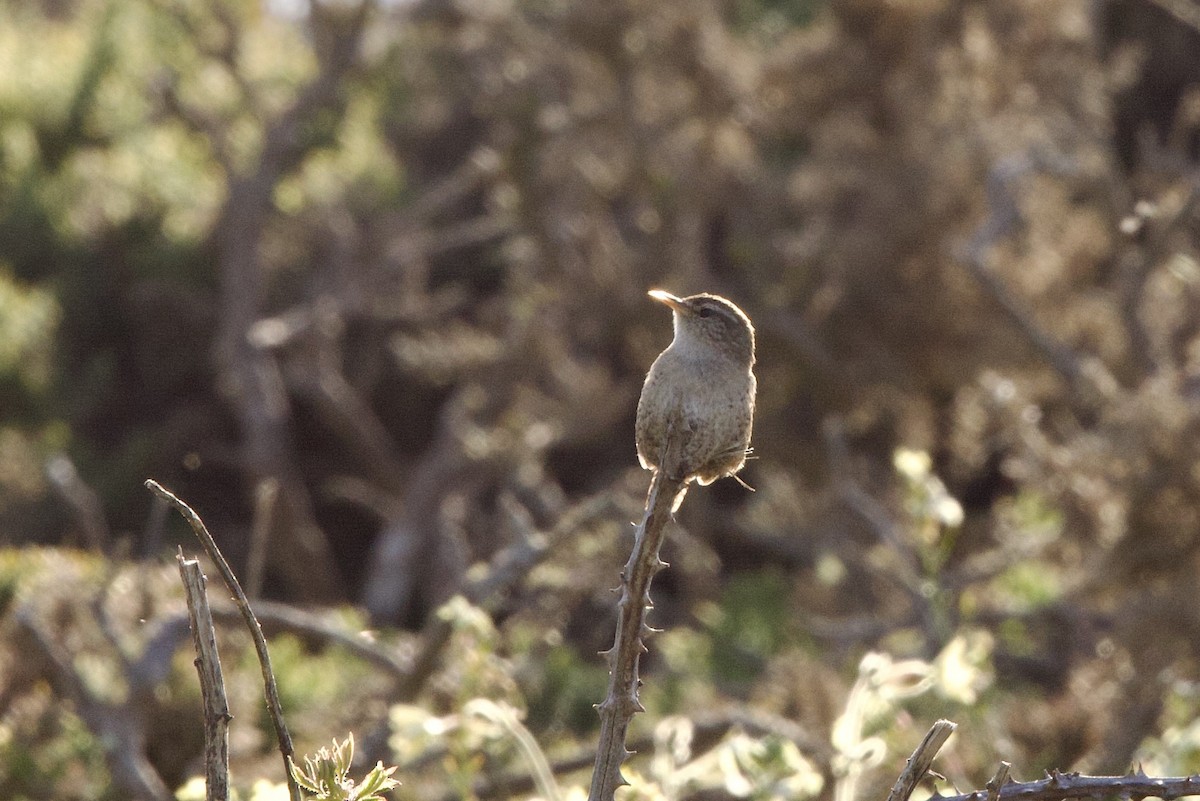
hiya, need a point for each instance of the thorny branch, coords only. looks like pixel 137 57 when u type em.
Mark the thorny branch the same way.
pixel 1057 786
pixel 621 703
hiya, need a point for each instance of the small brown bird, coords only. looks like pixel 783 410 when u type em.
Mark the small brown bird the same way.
pixel 699 392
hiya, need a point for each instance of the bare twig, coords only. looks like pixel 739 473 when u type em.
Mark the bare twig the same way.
pixel 998 780
pixel 918 764
pixel 621 703
pixel 1057 786
pixel 212 682
pixel 260 642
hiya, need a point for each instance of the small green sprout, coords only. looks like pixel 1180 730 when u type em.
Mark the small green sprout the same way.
pixel 326 775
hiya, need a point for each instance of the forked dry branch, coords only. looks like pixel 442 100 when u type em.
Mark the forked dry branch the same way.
pixel 1055 786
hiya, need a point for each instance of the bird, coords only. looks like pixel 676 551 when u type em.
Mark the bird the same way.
pixel 696 411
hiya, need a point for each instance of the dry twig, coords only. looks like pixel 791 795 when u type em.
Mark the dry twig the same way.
pixel 212 681
pixel 918 764
pixel 260 642
pixel 998 780
pixel 1057 786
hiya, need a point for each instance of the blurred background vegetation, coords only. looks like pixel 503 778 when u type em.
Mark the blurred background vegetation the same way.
pixel 365 284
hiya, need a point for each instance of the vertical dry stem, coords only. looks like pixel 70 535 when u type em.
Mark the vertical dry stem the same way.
pixel 619 707
pixel 212 681
pixel 918 764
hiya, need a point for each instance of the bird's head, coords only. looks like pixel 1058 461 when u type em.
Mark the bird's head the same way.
pixel 710 322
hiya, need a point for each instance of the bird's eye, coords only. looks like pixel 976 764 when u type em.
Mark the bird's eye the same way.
pixel 706 312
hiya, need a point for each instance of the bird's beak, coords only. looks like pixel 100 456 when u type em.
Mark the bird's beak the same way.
pixel 667 298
